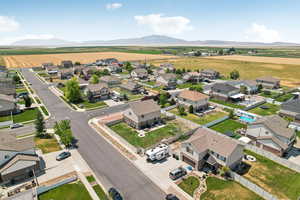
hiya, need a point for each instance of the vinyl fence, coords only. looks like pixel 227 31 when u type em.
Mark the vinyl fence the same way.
pixel 273 157
pixel 6 123
pixel 43 189
pixel 255 188
pixel 210 124
pixel 254 105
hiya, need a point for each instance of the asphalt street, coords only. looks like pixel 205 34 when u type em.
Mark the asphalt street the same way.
pixel 26 129
pixel 107 163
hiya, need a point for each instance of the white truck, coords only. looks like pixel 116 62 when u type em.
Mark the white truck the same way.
pixel 158 153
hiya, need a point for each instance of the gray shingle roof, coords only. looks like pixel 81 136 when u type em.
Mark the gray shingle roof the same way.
pixel 293 106
pixel 223 88
pixel 144 107
pixel 96 87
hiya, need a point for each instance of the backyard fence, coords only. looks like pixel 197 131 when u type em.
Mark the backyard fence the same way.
pixel 273 157
pixel 43 189
pixel 254 105
pixel 6 123
pixel 255 188
pixel 210 124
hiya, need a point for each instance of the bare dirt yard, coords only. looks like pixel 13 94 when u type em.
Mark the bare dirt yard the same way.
pixel 273 60
pixel 21 61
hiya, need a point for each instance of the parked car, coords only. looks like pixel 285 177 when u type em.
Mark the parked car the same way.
pixel 177 173
pixel 114 194
pixel 171 197
pixel 63 155
pixel 16 125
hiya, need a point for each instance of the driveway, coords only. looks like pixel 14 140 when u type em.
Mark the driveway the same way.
pixel 111 102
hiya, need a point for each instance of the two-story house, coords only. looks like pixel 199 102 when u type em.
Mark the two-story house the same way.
pixel 111 81
pixel 225 92
pixel 142 114
pixel 65 73
pixel 7 86
pixel 66 64
pixel 272 134
pixel 139 73
pixel 193 77
pixel 196 99
pixel 132 87
pixel 97 92
pixel 209 74
pixel 8 105
pixel 268 82
pixel 291 109
pixel 167 80
pixel 206 148
pixel 250 85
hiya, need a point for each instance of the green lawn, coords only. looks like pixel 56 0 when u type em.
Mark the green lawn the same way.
pixel 284 98
pixel 131 97
pixel 298 134
pixel 274 178
pixel 24 116
pixel 21 90
pixel 152 83
pixel 151 138
pixel 228 125
pixel 227 190
pixel 88 105
pixel 189 185
pixel 45 110
pixel 186 85
pixel 263 112
pixel 225 103
pixel 47 145
pixel 91 178
pixel 200 120
pixel 73 191
pixel 271 95
pixel 99 191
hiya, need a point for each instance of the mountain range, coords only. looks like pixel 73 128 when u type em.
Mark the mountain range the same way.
pixel 152 40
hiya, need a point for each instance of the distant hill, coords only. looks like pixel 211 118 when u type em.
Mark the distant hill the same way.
pixel 152 40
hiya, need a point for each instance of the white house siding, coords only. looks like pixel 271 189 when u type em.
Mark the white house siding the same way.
pixel 235 157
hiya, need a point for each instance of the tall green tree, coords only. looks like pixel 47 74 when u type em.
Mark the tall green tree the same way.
pixel 16 78
pixel 191 109
pixel 63 130
pixel 39 124
pixel 181 110
pixel 163 99
pixel 128 66
pixel 28 101
pixel 235 74
pixel 243 89
pixel 94 79
pixel 73 93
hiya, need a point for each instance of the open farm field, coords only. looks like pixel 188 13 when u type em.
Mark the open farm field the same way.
pixel 288 73
pixel 262 59
pixel 21 61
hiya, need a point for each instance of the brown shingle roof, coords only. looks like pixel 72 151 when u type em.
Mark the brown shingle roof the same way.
pixel 204 139
pixel 144 107
pixel 96 87
pixel 11 143
pixel 192 95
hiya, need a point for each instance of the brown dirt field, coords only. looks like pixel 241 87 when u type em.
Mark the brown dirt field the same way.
pixel 22 61
pixel 273 60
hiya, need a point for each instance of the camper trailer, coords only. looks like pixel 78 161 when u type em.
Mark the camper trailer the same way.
pixel 158 153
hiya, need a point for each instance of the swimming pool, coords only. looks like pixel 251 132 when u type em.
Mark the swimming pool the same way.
pixel 247 119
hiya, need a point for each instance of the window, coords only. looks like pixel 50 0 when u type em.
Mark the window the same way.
pixel 189 150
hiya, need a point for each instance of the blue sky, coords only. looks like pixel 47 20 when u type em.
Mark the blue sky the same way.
pixel 81 20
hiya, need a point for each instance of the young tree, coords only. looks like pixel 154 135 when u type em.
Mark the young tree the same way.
pixel 259 88
pixel 191 109
pixel 72 92
pixel 77 63
pixel 181 110
pixel 172 102
pixel 16 78
pixel 128 66
pixel 125 97
pixel 28 101
pixel 163 99
pixel 94 79
pixel 39 124
pixel 231 114
pixel 234 74
pixel 243 89
pixel 63 130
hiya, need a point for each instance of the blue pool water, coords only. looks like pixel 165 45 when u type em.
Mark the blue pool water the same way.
pixel 247 119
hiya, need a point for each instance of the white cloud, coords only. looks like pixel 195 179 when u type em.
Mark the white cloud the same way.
pixel 113 6
pixel 10 40
pixel 165 25
pixel 8 24
pixel 260 33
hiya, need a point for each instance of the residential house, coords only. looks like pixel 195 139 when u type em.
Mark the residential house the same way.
pixel 225 92
pixel 3 68
pixel 196 99
pixel 107 61
pixel 87 72
pixel 132 87
pixel 139 73
pixel 18 159
pixel 168 80
pixel 96 92
pixel 142 114
pixel 193 77
pixel 250 85
pixel 52 70
pixel 115 68
pixel 206 148
pixel 66 64
pixel 65 73
pixel 291 109
pixel 77 69
pixel 45 65
pixel 7 86
pixel 209 74
pixel 268 82
pixel 8 105
pixel 167 66
pixel 111 81
pixel 272 134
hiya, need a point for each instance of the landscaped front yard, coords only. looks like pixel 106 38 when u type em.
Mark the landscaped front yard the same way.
pixel 228 125
pixel 88 105
pixel 189 185
pixel 274 178
pixel 151 138
pixel 229 190
pixel 270 109
pixel 47 145
pixel 131 97
pixel 200 120
pixel 71 191
pixel 26 115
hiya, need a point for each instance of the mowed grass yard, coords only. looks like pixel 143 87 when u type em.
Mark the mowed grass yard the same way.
pixel 189 184
pixel 228 125
pixel 72 191
pixel 274 178
pixel 271 110
pixel 47 145
pixel 151 138
pixel 228 190
pixel 24 116
pixel 289 74
pixel 200 120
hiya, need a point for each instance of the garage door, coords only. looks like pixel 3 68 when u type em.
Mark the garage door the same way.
pixel 189 161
